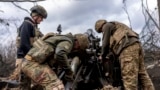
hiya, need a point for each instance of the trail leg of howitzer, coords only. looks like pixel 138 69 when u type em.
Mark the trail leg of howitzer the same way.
pixel 9 85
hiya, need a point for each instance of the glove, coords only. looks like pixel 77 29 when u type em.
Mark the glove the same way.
pixel 69 75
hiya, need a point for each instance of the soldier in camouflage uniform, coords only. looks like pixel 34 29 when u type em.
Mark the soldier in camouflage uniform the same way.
pixel 125 44
pixel 53 48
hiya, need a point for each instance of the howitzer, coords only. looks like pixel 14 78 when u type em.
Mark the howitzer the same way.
pixel 112 70
pixel 90 74
pixel 59 29
pixel 96 64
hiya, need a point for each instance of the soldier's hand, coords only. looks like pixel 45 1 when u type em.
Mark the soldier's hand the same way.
pixel 105 59
pixel 100 58
pixel 69 75
pixel 68 78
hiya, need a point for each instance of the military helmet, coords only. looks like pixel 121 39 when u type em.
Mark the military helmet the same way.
pixel 99 25
pixel 39 10
pixel 82 40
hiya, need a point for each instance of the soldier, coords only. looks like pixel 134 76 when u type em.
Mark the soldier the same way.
pixel 53 48
pixel 125 44
pixel 27 33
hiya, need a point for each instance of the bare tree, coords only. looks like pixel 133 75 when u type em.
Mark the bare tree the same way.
pixel 7 61
pixel 21 0
pixel 125 9
pixel 150 33
pixel 18 6
pixel 158 4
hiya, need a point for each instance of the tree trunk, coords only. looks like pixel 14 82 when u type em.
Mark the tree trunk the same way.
pixel 158 4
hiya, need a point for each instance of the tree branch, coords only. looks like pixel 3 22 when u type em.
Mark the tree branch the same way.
pixel 125 9
pixel 21 0
pixel 20 7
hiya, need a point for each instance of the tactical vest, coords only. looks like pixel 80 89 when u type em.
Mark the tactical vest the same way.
pixel 45 46
pixel 121 36
pixel 38 34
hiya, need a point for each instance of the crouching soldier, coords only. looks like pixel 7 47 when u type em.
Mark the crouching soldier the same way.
pixel 55 48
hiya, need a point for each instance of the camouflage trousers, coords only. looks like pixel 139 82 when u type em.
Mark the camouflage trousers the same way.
pixel 133 70
pixel 42 74
pixel 16 73
pixel 110 87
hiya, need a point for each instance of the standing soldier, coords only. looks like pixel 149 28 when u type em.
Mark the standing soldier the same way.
pixel 48 51
pixel 28 32
pixel 125 44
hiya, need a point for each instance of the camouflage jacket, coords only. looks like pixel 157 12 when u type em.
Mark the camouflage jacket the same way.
pixel 52 46
pixel 116 37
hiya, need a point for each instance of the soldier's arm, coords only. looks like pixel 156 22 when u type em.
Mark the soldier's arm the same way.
pixel 61 52
pixel 106 39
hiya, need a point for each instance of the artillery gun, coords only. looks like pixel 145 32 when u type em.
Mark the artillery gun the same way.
pixel 89 74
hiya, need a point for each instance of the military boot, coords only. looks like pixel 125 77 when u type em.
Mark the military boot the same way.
pixel 16 73
pixel 108 87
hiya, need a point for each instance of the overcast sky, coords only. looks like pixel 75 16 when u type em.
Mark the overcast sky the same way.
pixel 77 16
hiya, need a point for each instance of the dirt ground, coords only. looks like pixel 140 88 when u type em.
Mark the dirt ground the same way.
pixel 154 72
